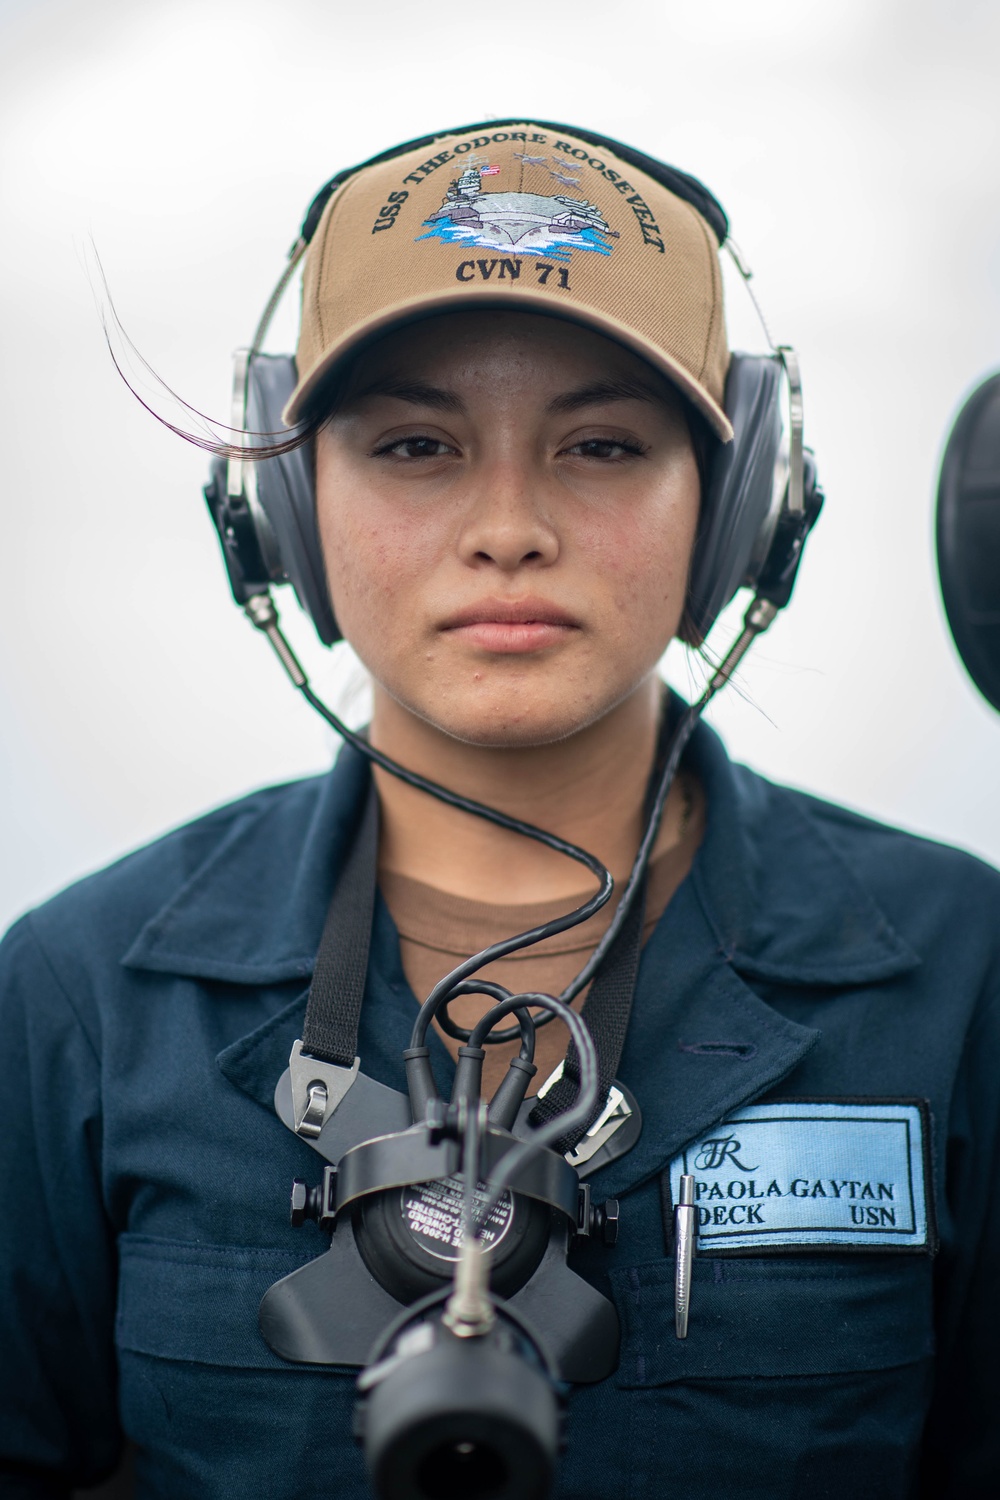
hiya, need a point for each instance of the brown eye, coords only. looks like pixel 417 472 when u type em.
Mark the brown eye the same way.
pixel 414 447
pixel 608 449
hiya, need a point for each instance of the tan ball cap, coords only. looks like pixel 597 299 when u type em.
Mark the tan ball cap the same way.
pixel 523 217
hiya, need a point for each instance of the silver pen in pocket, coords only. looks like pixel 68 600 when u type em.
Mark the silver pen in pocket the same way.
pixel 684 1221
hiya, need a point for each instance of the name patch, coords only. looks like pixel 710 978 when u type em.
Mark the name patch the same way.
pixel 802 1174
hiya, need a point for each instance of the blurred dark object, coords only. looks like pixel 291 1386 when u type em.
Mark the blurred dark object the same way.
pixel 121 1485
pixel 968 536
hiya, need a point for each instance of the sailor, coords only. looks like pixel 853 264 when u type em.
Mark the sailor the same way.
pixel 510 486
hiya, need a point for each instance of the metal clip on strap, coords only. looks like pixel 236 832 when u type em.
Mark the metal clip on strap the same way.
pixel 317 1089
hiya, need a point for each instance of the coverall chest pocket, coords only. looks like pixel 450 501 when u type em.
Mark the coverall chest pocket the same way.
pixel 212 1411
pixel 801 1377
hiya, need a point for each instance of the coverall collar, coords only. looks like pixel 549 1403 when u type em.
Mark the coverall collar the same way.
pixel 783 904
pixel 253 912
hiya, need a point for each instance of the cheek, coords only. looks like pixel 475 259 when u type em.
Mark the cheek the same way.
pixel 644 554
pixel 374 559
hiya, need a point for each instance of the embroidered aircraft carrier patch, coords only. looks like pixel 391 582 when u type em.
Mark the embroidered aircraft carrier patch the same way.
pixel 802 1174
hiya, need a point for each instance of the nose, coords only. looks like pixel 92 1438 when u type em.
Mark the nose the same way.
pixel 506 523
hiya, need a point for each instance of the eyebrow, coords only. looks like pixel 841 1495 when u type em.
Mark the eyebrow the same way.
pixel 420 393
pixel 416 392
pixel 597 392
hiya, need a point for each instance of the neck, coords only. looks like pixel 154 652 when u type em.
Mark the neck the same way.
pixel 588 789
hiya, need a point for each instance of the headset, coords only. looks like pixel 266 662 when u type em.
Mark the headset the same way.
pixel 463 1386
pixel 968 536
pixel 760 499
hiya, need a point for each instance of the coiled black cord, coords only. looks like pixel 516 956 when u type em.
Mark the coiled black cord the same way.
pixel 526 1022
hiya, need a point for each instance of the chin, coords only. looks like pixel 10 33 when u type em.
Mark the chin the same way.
pixel 509 736
pixel 509 722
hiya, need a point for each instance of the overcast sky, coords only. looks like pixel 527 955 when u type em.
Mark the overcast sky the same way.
pixel 855 146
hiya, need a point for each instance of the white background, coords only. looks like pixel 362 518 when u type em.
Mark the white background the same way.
pixel 855 144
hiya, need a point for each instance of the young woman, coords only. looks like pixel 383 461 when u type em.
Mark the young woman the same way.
pixel 513 368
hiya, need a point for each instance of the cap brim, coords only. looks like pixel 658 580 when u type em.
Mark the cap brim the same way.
pixel 414 309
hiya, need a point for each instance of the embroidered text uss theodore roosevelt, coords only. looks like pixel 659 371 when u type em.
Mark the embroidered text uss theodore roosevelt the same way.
pixel 646 218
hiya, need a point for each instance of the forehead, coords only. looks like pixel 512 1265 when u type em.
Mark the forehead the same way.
pixel 497 343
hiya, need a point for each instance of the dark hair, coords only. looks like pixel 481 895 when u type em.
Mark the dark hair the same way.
pixel 270 444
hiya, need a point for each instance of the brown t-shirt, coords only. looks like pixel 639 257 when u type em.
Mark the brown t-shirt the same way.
pixel 438 929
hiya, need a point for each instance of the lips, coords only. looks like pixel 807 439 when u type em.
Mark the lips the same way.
pixel 511 626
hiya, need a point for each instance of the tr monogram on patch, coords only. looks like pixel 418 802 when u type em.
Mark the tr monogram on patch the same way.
pixel 803 1174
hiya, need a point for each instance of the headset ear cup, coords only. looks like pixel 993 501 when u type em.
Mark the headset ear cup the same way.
pixel 742 496
pixel 968 536
pixel 286 493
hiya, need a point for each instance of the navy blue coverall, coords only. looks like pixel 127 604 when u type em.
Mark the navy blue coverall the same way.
pixel 147 1012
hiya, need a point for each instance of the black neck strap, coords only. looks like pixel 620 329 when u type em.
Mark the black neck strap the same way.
pixel 333 1010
